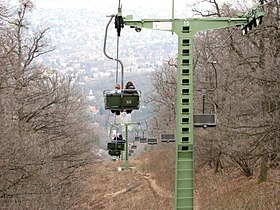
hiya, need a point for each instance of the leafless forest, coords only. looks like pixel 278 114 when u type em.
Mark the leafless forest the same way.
pixel 45 134
pixel 239 75
pixel 45 140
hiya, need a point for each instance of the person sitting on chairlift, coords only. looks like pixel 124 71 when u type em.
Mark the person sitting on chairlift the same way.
pixel 117 89
pixel 129 86
pixel 120 138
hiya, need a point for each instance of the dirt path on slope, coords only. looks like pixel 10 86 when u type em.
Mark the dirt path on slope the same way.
pixel 130 189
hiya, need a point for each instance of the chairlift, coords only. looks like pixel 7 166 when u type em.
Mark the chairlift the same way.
pixel 143 140
pixel 205 120
pixel 134 146
pixel 152 141
pixel 142 137
pixel 131 151
pixel 116 145
pixel 137 138
pixel 127 100
pixel 136 134
pixel 114 153
pixel 167 138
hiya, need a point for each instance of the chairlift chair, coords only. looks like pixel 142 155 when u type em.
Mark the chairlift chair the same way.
pixel 115 148
pixel 127 100
pixel 167 138
pixel 137 135
pixel 116 145
pixel 131 151
pixel 134 146
pixel 152 141
pixel 114 152
pixel 143 140
pixel 205 120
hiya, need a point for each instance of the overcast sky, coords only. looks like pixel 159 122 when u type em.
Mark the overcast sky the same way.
pixel 129 6
pixel 179 4
pixel 162 8
pixel 106 3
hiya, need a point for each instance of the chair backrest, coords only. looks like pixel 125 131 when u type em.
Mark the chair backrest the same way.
pixel 137 138
pixel 133 146
pixel 143 140
pixel 115 101
pixel 205 120
pixel 130 91
pixel 115 146
pixel 152 141
pixel 167 138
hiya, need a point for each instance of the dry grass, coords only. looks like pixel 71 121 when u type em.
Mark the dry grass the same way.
pixel 160 163
pixel 230 190
pixel 151 186
pixel 111 189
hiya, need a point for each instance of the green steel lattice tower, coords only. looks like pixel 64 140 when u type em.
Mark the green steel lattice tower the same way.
pixel 185 29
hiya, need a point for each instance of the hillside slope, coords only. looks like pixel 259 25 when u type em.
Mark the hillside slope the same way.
pixel 149 186
pixel 119 190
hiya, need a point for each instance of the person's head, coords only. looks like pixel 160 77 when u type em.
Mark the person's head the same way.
pixel 120 136
pixel 117 86
pixel 129 85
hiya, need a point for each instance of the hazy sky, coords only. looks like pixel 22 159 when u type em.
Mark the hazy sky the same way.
pixel 103 4
pixel 110 6
pixel 106 3
pixel 182 7
pixel 179 4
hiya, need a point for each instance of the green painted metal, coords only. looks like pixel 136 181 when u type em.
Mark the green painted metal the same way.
pixel 124 101
pixel 126 165
pixel 185 30
pixel 115 146
pixel 254 18
pixel 114 152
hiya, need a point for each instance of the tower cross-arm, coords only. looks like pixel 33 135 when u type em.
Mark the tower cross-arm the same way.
pixel 175 25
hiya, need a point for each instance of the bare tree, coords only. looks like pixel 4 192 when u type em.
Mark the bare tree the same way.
pixel 164 94
pixel 45 138
pixel 246 93
pixel 247 80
